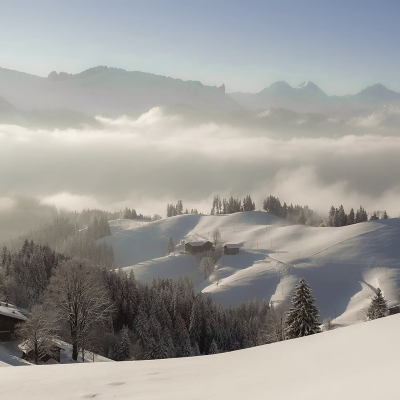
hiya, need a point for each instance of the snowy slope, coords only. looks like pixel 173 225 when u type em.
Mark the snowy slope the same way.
pixel 358 362
pixel 343 265
pixel 109 92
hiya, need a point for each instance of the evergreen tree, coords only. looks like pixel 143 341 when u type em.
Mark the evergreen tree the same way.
pixel 302 218
pixel 378 306
pixel 332 216
pixel 195 350
pixel 122 348
pixel 302 319
pixel 342 217
pixel 351 217
pixel 213 348
pixel 385 216
pixel 171 245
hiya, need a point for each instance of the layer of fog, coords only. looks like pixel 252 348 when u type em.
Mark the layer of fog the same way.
pixel 159 158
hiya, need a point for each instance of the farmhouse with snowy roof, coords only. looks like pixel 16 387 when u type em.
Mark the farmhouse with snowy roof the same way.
pixel 198 247
pixel 231 249
pixel 9 317
pixel 53 353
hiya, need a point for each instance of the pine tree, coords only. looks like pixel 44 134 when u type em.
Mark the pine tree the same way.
pixel 171 245
pixel 302 218
pixel 122 348
pixel 213 348
pixel 351 218
pixel 195 350
pixel 302 319
pixel 332 216
pixel 378 307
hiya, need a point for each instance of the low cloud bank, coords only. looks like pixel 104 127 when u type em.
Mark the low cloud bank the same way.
pixel 157 158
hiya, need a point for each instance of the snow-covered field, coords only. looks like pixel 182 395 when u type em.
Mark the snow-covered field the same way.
pixel 357 362
pixel 343 265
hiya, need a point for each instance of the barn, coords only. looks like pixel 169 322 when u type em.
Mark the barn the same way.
pixel 28 353
pixel 394 310
pixel 9 317
pixel 198 247
pixel 231 249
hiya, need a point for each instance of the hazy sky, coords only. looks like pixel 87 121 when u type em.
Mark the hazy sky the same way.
pixel 341 45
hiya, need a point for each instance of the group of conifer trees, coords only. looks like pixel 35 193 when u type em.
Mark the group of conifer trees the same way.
pixel 296 214
pixel 177 209
pixel 231 205
pixel 132 214
pixel 338 217
pixel 25 274
pixel 74 235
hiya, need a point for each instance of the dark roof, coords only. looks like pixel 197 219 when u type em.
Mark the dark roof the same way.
pixel 232 246
pixel 198 244
pixel 11 311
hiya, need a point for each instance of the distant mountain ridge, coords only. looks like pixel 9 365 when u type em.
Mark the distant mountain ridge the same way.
pixel 109 92
pixel 112 92
pixel 308 97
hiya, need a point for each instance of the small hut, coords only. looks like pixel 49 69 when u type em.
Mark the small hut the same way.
pixel 394 310
pixel 53 353
pixel 198 247
pixel 231 249
pixel 9 317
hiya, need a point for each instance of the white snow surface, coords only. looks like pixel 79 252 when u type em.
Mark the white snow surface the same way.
pixel 357 362
pixel 344 266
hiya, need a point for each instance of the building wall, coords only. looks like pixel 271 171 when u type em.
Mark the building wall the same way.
pixel 7 327
pixel 230 252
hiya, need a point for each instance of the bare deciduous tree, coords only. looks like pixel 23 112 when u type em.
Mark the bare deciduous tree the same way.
pixel 206 266
pixel 38 332
pixel 216 235
pixel 79 293
pixel 274 328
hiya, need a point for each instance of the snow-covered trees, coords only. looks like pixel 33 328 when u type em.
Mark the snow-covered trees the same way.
pixel 38 332
pixel 122 348
pixel 303 318
pixel 378 306
pixel 338 217
pixel 26 273
pixel 296 214
pixel 231 205
pixel 176 209
pixel 132 214
pixel 273 328
pixel 78 292
pixel 206 266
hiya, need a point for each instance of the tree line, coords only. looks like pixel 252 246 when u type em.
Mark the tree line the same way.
pixel 293 213
pixel 338 217
pixel 231 205
pixel 177 209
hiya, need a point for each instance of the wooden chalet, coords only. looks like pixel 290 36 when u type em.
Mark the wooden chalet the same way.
pixel 9 317
pixel 394 310
pixel 198 247
pixel 53 354
pixel 231 249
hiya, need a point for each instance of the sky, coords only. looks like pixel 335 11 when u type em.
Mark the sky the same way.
pixel 343 46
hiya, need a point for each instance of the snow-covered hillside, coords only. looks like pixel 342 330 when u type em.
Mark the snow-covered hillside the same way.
pixel 343 265
pixel 358 362
pixel 108 92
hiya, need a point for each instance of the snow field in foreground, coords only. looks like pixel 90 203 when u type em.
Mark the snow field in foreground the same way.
pixel 357 362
